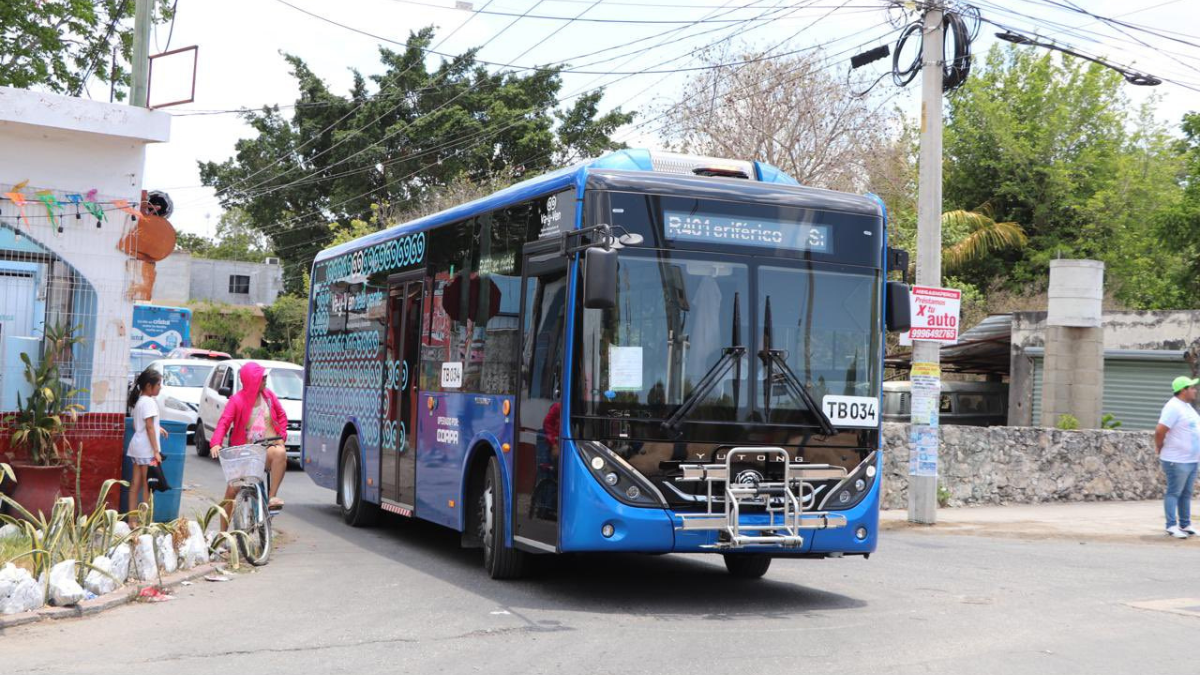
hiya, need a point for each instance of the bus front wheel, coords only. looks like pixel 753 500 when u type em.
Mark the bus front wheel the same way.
pixel 500 561
pixel 747 565
pixel 355 511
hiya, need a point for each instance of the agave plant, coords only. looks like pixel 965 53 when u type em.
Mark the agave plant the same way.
pixel 40 424
pixel 64 535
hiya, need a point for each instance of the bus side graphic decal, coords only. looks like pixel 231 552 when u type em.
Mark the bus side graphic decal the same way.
pixel 346 373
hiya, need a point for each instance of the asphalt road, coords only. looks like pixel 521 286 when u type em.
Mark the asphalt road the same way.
pixel 404 598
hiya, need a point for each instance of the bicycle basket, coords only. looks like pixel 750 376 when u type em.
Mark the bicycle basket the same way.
pixel 243 461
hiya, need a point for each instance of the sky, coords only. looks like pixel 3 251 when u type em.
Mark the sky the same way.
pixel 240 42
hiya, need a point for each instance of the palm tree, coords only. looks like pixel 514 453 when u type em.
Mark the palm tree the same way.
pixel 969 236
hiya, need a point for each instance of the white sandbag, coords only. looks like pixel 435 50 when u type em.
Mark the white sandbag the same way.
pixel 121 529
pixel 196 544
pixel 121 556
pixel 10 576
pixel 194 550
pixel 64 589
pixel 9 530
pixel 144 567
pixel 168 557
pixel 98 579
pixel 24 593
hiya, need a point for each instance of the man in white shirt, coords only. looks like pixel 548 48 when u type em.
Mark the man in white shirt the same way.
pixel 1177 439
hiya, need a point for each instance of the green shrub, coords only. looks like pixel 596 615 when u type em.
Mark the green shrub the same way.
pixel 1067 422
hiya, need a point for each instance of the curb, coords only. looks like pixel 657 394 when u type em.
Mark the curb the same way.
pixel 119 597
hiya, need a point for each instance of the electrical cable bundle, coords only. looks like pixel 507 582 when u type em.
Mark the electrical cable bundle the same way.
pixel 956 67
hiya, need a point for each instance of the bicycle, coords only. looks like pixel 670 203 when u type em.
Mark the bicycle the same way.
pixel 244 467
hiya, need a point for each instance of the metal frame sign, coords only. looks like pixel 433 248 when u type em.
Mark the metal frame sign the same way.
pixel 935 315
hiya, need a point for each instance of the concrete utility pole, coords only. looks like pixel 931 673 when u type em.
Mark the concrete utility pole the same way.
pixel 141 54
pixel 922 489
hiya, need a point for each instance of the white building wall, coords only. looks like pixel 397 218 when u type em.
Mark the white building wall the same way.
pixel 68 145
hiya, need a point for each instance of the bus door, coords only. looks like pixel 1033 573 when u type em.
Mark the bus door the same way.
pixel 398 435
pixel 539 409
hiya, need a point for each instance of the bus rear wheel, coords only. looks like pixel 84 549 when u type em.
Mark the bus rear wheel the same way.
pixel 355 511
pixel 500 561
pixel 747 565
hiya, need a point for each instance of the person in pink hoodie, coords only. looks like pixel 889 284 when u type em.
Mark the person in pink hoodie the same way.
pixel 251 415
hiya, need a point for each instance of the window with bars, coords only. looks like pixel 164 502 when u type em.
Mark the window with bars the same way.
pixel 239 283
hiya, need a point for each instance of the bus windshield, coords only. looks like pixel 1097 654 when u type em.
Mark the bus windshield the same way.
pixel 679 313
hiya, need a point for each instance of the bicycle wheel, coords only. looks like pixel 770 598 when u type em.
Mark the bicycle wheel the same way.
pixel 250 518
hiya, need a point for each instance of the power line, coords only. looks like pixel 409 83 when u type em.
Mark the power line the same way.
pixel 617 21
pixel 353 110
pixel 284 225
pixel 395 132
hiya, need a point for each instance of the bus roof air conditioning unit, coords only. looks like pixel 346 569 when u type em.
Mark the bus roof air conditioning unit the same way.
pixel 699 165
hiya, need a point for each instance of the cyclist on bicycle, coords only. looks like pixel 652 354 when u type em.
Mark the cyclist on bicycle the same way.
pixel 251 415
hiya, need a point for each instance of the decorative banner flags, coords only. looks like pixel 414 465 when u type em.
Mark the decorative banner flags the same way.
pixel 76 199
pixel 93 207
pixel 18 199
pixel 51 202
pixel 124 206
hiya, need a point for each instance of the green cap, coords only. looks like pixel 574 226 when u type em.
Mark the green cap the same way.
pixel 1183 382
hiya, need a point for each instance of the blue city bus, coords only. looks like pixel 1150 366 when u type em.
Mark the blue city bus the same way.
pixel 644 352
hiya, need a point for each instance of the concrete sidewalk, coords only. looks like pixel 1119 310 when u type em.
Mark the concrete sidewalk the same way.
pixel 1123 522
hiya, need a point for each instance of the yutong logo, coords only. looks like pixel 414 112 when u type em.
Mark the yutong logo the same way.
pixel 749 478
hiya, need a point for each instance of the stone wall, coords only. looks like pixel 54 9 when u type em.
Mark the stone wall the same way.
pixel 1029 465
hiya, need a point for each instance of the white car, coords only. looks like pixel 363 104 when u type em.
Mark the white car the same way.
pixel 285 379
pixel 183 382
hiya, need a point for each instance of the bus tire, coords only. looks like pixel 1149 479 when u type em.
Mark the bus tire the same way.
pixel 500 561
pixel 355 511
pixel 747 565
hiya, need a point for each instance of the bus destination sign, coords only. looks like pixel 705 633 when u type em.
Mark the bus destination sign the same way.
pixel 767 232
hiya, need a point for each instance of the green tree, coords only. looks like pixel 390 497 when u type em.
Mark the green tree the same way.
pixel 972 236
pixel 222 327
pixel 61 45
pixel 1179 224
pixel 236 239
pixel 394 138
pixel 1052 143
pixel 283 338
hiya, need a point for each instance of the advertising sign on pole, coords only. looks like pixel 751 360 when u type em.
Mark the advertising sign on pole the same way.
pixel 934 315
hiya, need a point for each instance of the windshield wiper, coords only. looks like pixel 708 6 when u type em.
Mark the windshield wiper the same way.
pixel 731 357
pixel 773 360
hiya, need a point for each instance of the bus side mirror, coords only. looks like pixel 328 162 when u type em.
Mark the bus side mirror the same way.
pixel 600 278
pixel 896 307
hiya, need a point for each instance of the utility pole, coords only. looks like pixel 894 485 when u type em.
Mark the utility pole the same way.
pixel 922 488
pixel 141 54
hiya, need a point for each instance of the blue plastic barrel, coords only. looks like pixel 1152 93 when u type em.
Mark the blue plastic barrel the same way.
pixel 174 451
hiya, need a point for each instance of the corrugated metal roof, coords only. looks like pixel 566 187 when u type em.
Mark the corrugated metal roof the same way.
pixel 982 349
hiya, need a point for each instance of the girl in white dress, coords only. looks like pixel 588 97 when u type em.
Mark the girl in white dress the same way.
pixel 144 449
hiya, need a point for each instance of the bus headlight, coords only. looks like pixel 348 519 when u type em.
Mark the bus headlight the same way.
pixel 854 487
pixel 619 479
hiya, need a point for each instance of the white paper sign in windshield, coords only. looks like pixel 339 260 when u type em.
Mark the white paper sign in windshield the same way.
pixel 712 228
pixel 624 368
